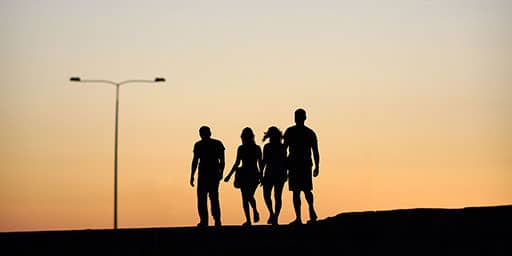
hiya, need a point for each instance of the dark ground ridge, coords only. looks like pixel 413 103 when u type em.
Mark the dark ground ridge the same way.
pixel 424 231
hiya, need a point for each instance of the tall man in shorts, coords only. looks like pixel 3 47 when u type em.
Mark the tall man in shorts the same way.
pixel 300 142
pixel 209 153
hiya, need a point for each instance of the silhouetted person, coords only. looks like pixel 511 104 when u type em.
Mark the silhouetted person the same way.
pixel 210 155
pixel 247 176
pixel 274 169
pixel 300 142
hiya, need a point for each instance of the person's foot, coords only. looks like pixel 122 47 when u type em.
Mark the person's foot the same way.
pixel 296 222
pixel 312 216
pixel 270 219
pixel 218 223
pixel 247 224
pixel 256 217
pixel 202 224
pixel 275 222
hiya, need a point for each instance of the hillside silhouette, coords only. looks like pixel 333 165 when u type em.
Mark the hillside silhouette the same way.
pixel 467 231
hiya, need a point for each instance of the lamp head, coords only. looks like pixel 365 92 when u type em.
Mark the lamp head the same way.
pixel 75 79
pixel 159 79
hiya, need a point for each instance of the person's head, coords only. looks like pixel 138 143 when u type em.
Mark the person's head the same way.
pixel 300 116
pixel 205 132
pixel 273 134
pixel 247 136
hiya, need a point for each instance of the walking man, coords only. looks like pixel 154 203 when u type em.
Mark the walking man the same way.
pixel 209 153
pixel 300 141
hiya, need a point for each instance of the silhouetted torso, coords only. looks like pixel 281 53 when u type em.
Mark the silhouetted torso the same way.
pixel 249 155
pixel 300 140
pixel 209 151
pixel 274 155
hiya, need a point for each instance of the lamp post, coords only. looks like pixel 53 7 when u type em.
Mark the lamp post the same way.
pixel 117 84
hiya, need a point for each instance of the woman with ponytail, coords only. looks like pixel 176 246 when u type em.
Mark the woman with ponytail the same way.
pixel 274 169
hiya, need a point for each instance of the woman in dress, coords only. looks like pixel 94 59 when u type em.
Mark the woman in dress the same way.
pixel 248 175
pixel 273 167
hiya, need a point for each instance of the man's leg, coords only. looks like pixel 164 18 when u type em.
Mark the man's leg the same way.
pixel 201 206
pixel 215 205
pixel 296 206
pixel 309 199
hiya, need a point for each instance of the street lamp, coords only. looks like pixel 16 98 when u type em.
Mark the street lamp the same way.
pixel 117 84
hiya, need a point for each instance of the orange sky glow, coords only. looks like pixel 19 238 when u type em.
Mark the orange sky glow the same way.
pixel 411 103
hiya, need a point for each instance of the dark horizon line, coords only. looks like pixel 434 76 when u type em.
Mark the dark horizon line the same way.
pixel 321 221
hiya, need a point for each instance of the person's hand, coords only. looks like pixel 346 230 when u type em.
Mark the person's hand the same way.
pixel 192 181
pixel 316 171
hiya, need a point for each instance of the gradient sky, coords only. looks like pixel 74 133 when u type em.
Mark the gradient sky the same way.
pixel 411 102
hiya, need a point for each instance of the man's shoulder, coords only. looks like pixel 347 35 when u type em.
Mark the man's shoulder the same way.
pixel 217 143
pixel 290 129
pixel 198 143
pixel 310 133
pixel 309 130
pixel 198 147
pixel 300 129
pixel 208 142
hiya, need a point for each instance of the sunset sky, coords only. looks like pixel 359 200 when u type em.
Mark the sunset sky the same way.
pixel 411 102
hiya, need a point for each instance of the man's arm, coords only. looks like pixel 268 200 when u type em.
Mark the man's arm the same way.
pixel 222 165
pixel 316 157
pixel 286 143
pixel 195 160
